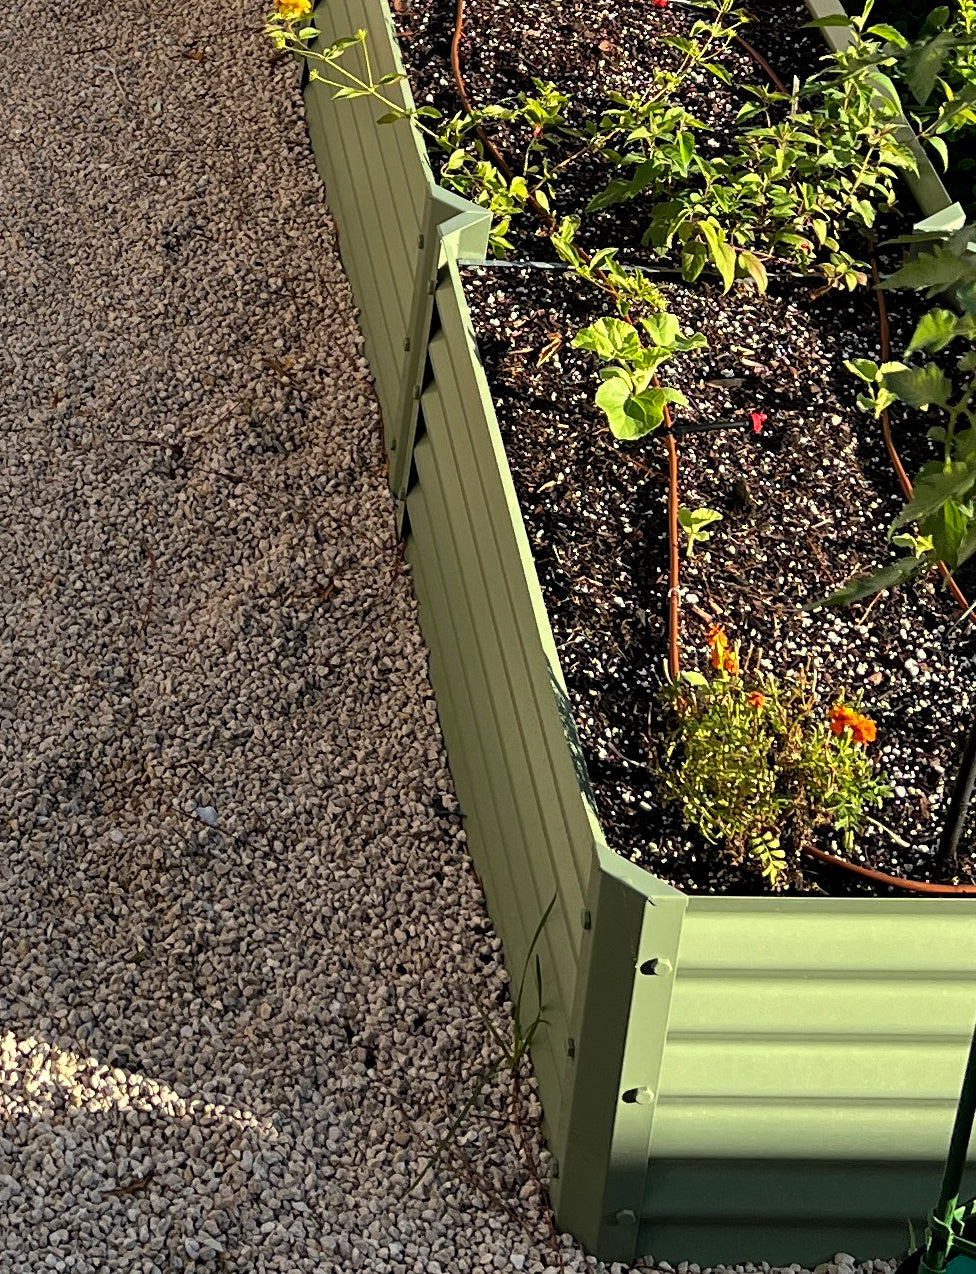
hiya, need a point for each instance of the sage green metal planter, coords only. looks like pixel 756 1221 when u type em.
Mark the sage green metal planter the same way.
pixel 723 1079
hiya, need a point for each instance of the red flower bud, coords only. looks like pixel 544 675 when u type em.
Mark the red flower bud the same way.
pixel 758 419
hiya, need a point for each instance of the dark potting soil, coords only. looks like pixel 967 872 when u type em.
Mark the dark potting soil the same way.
pixel 806 502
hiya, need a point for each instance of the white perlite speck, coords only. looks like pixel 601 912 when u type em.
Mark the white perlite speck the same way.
pixel 241 939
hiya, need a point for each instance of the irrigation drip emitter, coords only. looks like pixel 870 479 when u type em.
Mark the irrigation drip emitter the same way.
pixel 960 800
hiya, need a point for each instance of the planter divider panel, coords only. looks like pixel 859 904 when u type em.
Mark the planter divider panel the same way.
pixel 723 1079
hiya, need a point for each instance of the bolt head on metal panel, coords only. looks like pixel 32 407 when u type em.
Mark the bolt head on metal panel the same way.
pixel 638 1096
pixel 658 965
pixel 626 1217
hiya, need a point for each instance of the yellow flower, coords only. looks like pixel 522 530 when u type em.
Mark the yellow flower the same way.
pixel 290 10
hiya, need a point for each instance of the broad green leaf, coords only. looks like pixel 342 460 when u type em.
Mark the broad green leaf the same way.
pixel 721 252
pixel 663 329
pixel 920 386
pixel 692 519
pixel 935 21
pixel 934 489
pixel 754 268
pixel 643 412
pixel 694 679
pixel 863 368
pixel 610 338
pixel 344 94
pixel 941 149
pixel 934 331
pixel 340 46
pixel 883 31
pixel 831 20
pixel 965 445
pixel 946 527
pixel 866 209
pixel 933 270
pixel 610 398
pixel 630 415
pixel 693 261
pixel 686 148
pixel 865 586
pixel 924 66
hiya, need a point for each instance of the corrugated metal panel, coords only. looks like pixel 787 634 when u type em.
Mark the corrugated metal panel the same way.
pixel 377 180
pixel 529 830
pixel 831 1020
pixel 805 1033
pixel 793 1211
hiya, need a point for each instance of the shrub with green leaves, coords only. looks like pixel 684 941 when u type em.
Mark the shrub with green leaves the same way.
pixel 943 504
pixel 757 766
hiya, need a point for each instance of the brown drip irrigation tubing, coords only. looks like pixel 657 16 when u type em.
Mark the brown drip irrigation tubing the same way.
pixel 674 659
pixel 918 886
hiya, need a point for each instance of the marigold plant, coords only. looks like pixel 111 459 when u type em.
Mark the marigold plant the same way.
pixel 843 717
pixel 757 765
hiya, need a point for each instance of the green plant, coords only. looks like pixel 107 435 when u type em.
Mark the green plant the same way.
pixel 510 1055
pixel 626 287
pixel 939 58
pixel 630 397
pixel 470 171
pixel 943 503
pixel 755 763
pixel 693 523
pixel 813 160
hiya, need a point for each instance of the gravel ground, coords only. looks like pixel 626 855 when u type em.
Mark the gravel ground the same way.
pixel 241 939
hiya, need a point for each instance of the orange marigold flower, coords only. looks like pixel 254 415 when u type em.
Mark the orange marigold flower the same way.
pixel 756 700
pixel 724 658
pixel 863 729
pixel 292 9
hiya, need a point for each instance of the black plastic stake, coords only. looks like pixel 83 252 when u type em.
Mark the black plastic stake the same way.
pixel 942 1226
pixel 959 804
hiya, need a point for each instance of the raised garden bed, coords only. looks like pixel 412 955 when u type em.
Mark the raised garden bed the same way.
pixel 734 1077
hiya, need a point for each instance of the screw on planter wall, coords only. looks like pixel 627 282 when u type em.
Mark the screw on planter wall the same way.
pixel 638 1096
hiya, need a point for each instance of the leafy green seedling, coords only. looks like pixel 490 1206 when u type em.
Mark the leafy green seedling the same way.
pixel 693 523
